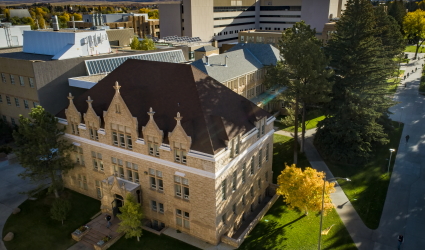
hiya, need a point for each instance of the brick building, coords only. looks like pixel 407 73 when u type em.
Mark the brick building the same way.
pixel 197 156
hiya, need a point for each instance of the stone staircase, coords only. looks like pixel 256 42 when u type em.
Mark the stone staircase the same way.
pixel 92 237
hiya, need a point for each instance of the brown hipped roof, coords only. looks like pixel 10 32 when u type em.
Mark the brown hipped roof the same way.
pixel 212 113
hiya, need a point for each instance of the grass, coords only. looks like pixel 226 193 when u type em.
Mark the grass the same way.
pixel 393 84
pixel 369 183
pixel 412 48
pixel 312 118
pixel 282 228
pixel 34 229
pixel 151 241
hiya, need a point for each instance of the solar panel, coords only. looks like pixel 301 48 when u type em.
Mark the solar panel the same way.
pixel 107 65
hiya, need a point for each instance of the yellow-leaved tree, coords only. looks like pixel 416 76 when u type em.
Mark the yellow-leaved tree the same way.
pixel 414 27
pixel 303 189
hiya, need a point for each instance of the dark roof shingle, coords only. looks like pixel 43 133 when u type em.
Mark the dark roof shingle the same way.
pixel 212 113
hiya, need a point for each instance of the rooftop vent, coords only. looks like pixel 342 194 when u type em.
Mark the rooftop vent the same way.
pixel 55 23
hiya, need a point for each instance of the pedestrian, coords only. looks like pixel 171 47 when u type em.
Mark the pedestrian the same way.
pixel 108 221
pixel 404 78
pixel 407 74
pixel 416 69
pixel 407 138
pixel 400 239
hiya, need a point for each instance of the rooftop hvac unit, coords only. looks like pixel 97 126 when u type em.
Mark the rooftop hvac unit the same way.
pixel 55 23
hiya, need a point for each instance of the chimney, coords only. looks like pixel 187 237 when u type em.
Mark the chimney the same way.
pixel 38 26
pixel 225 61
pixel 73 23
pixel 55 23
pixel 100 19
pixel 207 61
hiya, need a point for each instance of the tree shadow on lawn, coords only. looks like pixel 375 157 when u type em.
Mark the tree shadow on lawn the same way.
pixel 345 242
pixel 269 233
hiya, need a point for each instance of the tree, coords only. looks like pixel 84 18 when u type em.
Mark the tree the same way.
pixel 41 150
pixel 397 11
pixel 421 5
pixel 147 44
pixel 77 17
pixel 303 189
pixel 414 28
pixel 135 43
pixel 5 132
pixel 131 218
pixel 60 209
pixel 303 71
pixel 359 96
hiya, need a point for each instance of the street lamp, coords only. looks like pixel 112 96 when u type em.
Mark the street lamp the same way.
pixel 323 203
pixel 401 113
pixel 389 162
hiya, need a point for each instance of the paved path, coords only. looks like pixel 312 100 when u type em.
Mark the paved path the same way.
pixel 11 185
pixel 404 207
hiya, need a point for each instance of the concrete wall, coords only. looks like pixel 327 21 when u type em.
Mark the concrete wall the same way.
pixel 316 13
pixel 123 36
pixel 16 36
pixel 198 19
pixel 170 21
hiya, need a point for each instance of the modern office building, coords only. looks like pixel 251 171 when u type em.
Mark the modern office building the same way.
pixel 39 73
pixel 196 155
pixel 222 20
pixel 140 22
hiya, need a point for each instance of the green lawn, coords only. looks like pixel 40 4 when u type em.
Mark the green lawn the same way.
pixel 282 228
pixel 369 183
pixel 393 84
pixel 34 229
pixel 150 241
pixel 312 118
pixel 412 48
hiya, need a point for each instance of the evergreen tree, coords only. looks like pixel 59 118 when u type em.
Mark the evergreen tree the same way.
pixel 135 44
pixel 397 11
pixel 41 150
pixel 131 218
pixel 359 95
pixel 303 71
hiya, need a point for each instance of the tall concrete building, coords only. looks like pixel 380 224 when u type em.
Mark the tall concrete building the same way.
pixel 222 20
pixel 196 155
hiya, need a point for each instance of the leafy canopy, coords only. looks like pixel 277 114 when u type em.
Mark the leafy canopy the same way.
pixel 131 218
pixel 303 189
pixel 41 149
pixel 60 209
pixel 414 27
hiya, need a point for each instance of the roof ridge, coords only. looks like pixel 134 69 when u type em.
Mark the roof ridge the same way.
pixel 253 55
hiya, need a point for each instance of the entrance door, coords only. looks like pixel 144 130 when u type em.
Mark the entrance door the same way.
pixel 116 204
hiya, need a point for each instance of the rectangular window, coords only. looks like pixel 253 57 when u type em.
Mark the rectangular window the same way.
pixel 8 100
pixel 234 208
pixel 237 146
pixel 234 183
pixel 13 121
pixel 251 172
pixel 85 183
pixel 12 79
pixel 182 218
pixel 93 134
pixel 31 80
pixel 1 99
pixel 98 190
pixel 156 179
pixel 244 173
pixel 267 152
pixel 153 205
pixel 259 183
pixel 21 81
pixel 3 77
pixel 35 104
pixel 161 207
pixel 26 104
pixel 252 191
pixel 115 138
pixel 79 159
pixel 179 153
pixel 223 190
pixel 263 128
pixel 129 142
pixel 223 218
pixel 260 158
pixel 17 102
pixel 97 161
pixel 243 200
pixel 181 184
pixel 122 141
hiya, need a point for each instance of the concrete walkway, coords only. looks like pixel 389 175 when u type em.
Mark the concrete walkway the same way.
pixel 404 207
pixel 11 185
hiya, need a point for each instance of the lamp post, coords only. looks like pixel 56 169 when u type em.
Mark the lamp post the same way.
pixel 323 204
pixel 401 113
pixel 389 162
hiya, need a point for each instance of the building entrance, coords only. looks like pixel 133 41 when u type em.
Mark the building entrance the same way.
pixel 116 204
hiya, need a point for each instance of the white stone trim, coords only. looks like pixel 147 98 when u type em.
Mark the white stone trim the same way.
pixel 180 174
pixel 243 154
pixel 101 131
pixel 82 126
pixel 200 155
pixel 270 120
pixel 76 144
pixel 143 157
pixel 62 121
pixel 140 141
pixel 165 147
pixel 251 134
